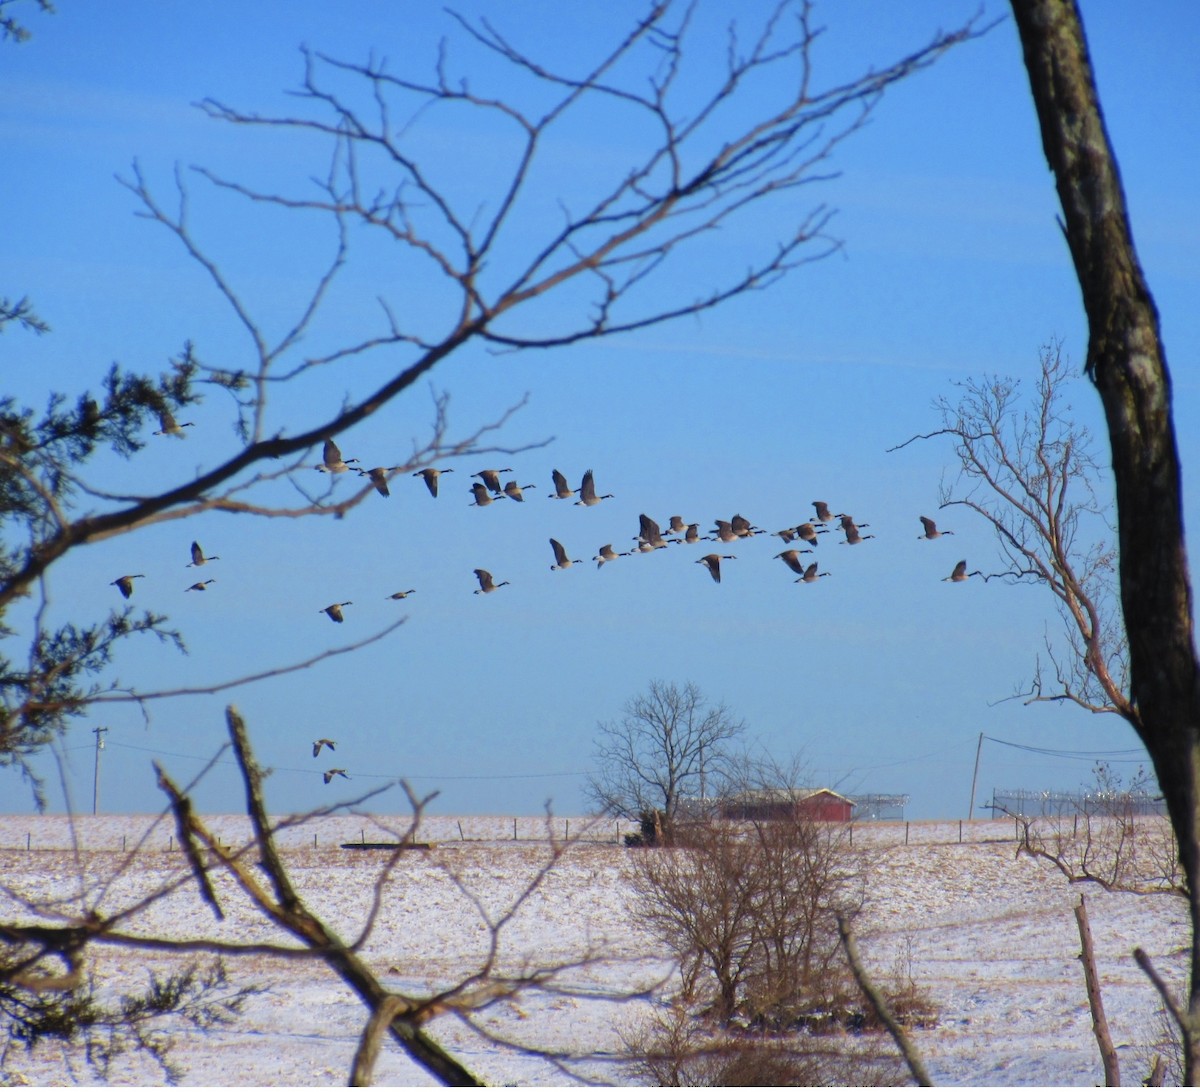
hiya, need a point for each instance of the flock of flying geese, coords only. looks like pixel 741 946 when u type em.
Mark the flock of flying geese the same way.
pixel 650 536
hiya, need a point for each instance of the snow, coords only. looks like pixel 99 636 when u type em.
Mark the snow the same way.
pixel 988 936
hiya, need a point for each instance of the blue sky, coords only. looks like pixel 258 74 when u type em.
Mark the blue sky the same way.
pixel 881 677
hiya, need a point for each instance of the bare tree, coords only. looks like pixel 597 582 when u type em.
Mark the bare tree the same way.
pixel 670 744
pixel 1111 844
pixel 1029 469
pixel 1126 359
pixel 750 911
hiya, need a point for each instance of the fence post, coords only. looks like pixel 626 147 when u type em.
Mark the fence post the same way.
pixel 567 830
pixel 906 832
pixel 28 837
pixel 461 837
pixel 960 832
pixel 514 828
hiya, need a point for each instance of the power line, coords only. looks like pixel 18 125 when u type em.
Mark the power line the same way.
pixel 1115 756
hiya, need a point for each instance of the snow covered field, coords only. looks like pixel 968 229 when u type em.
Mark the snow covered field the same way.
pixel 991 938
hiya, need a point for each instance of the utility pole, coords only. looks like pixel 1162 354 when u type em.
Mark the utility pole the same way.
pixel 96 779
pixel 974 778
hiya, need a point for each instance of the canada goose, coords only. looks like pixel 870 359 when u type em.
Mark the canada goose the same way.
pixel 319 743
pixel 742 527
pixel 808 533
pixel 693 534
pixel 791 558
pixel 823 513
pixel 491 478
pixel 430 474
pixel 587 491
pixel 713 563
pixel 649 534
pixel 725 531
pixel 332 461
pixel 650 547
pixel 482 497
pixel 329 775
pixel 607 553
pixel 201 585
pixel 676 525
pixel 378 476
pixel 486 584
pixel 853 538
pixel 402 594
pixel 334 610
pixel 931 530
pixel 198 557
pixel 168 427
pixel 511 489
pixel 124 584
pixel 787 534
pixel 848 522
pixel 810 574
pixel 560 556
pixel 960 573
pixel 561 489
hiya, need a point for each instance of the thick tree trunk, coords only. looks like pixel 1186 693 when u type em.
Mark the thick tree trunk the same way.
pixel 1128 365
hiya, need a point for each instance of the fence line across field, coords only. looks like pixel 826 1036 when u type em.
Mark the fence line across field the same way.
pixel 109 833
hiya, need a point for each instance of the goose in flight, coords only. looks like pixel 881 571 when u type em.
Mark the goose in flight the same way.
pixel 167 425
pixel 511 489
pixel 431 474
pixel 810 575
pixel 713 563
pixel 329 775
pixel 200 585
pixel 791 558
pixel 724 531
pixel 402 594
pixel 334 610
pixel 198 557
pixel 486 584
pixel 124 584
pixel 853 538
pixel 931 530
pixel 742 527
pixel 561 489
pixel 960 573
pixel 378 476
pixel 692 534
pixel 491 478
pixel 332 461
pixel 649 533
pixel 607 553
pixel 482 497
pixel 823 513
pixel 587 491
pixel 808 533
pixel 319 743
pixel 560 556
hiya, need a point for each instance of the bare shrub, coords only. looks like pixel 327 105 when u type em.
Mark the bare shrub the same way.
pixel 1109 844
pixel 674 1050
pixel 749 911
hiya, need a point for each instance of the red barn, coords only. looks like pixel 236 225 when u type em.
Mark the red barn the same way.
pixel 823 805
